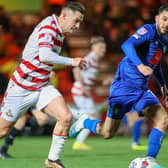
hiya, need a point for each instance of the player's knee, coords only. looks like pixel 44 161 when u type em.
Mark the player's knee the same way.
pixel 66 120
pixel 153 111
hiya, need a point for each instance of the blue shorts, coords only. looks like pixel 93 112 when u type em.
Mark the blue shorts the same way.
pixel 124 99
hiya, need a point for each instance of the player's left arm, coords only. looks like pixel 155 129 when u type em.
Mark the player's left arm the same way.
pixel 143 34
pixel 46 37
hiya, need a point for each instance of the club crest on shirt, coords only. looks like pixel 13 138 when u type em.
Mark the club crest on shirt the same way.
pixel 9 113
pixel 142 31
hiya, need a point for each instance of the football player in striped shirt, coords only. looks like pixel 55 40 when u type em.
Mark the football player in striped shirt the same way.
pixel 29 85
pixel 83 87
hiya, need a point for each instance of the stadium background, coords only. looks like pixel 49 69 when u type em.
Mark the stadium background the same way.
pixel 115 20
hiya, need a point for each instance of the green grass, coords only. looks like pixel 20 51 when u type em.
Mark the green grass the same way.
pixel 30 152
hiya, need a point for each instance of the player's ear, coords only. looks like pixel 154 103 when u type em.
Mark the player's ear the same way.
pixel 64 15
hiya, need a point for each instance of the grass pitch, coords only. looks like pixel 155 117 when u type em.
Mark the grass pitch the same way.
pixel 30 152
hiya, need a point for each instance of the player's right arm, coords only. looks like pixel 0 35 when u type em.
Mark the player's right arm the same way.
pixel 48 56
pixel 46 39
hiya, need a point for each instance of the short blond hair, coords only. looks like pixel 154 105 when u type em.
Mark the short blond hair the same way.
pixel 97 39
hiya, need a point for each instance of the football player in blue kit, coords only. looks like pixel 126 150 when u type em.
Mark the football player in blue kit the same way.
pixel 129 90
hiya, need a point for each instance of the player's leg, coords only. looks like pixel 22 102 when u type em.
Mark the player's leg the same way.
pixel 52 102
pixel 79 143
pixel 15 102
pixel 135 122
pixel 136 134
pixel 58 109
pixel 15 131
pixel 160 120
pixel 136 131
pixel 84 105
pixel 41 117
pixel 155 112
pixel 108 128
pixel 117 107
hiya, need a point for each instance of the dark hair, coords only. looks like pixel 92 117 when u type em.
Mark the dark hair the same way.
pixel 163 8
pixel 74 6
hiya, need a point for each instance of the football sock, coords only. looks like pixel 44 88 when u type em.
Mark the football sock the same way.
pixel 155 140
pixel 136 131
pixel 9 139
pixel 57 145
pixel 91 124
pixel 124 120
pixel 83 135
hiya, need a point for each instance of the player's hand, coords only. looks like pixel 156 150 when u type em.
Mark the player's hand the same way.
pixel 145 70
pixel 107 81
pixel 79 62
pixel 164 92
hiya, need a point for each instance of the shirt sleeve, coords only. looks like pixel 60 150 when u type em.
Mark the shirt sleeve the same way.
pixel 143 34
pixel 48 56
pixel 46 37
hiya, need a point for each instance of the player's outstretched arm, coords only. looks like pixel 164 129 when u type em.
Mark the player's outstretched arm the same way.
pixel 48 56
pixel 79 62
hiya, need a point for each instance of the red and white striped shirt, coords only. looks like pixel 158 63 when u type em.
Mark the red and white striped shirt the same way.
pixel 88 75
pixel 32 74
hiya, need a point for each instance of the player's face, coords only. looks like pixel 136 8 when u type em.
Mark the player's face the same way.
pixel 72 21
pixel 162 22
pixel 100 49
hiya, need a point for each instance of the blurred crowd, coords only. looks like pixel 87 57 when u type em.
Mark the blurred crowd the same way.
pixel 115 20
